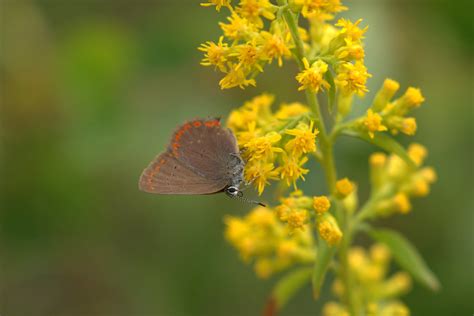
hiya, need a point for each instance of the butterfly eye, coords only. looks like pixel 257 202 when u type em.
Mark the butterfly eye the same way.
pixel 232 191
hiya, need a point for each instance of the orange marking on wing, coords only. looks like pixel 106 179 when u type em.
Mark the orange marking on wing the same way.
pixel 212 123
pixel 197 124
pixel 186 127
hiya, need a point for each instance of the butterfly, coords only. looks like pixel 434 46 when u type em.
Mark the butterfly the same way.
pixel 202 158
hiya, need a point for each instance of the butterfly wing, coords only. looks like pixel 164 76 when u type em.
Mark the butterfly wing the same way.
pixel 167 175
pixel 205 147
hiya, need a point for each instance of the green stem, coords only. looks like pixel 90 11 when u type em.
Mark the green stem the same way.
pixel 326 144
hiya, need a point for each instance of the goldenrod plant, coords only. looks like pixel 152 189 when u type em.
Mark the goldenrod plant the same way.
pixel 302 237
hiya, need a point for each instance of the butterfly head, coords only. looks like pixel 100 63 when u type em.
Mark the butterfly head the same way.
pixel 234 192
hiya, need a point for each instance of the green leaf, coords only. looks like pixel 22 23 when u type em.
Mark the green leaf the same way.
pixel 287 287
pixel 407 256
pixel 323 259
pixel 332 90
pixel 385 142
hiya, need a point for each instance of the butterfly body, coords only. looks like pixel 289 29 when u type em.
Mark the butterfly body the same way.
pixel 202 158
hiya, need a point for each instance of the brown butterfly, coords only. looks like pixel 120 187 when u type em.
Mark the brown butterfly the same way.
pixel 202 158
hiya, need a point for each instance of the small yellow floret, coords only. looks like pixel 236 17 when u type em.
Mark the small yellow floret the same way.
pixel 373 123
pixel 417 153
pixel 413 97
pixel 290 110
pixel 236 77
pixel 218 3
pixel 292 169
pixel 391 86
pixel 304 140
pixel 329 230
pixel 311 77
pixel 321 204
pixel 351 78
pixel 409 126
pixel 344 187
pixel 402 203
pixel 378 160
pixel 296 219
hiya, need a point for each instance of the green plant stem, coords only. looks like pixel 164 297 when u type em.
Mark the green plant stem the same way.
pixel 326 144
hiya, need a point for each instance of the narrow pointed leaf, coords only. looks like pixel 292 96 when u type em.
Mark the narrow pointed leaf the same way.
pixel 385 142
pixel 407 256
pixel 321 266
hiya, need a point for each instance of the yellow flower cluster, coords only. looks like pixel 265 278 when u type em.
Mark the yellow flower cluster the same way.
pixel 279 237
pixel 392 174
pixel 247 44
pixel 387 115
pixel 261 237
pixel 277 143
pixel 372 290
pixel 339 46
pixel 274 145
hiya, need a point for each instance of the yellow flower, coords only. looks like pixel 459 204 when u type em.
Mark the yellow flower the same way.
pixel 238 28
pixel 390 87
pixel 291 110
pixel 406 125
pixel 413 97
pixel 379 253
pixel 321 204
pixel 235 78
pixel 311 77
pixel 419 187
pixel 304 140
pixel 428 174
pixel 351 30
pixel 350 51
pixel 334 309
pixel 352 78
pixel 282 211
pixel 261 217
pixel 344 187
pixel 253 10
pixel 409 126
pixel 218 3
pixel 215 54
pixel 274 46
pixel 259 173
pixel 291 169
pixel 378 160
pixel 417 153
pixel 261 148
pixel 398 284
pixel 322 9
pixel 287 249
pixel 335 6
pixel 247 135
pixel 296 219
pixel 329 230
pixel 402 203
pixel 373 123
pixel 235 229
pixel 260 105
pixel 248 55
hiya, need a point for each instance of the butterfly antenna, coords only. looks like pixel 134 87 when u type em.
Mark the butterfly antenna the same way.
pixel 240 196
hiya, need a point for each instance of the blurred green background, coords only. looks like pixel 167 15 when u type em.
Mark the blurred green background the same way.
pixel 92 89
